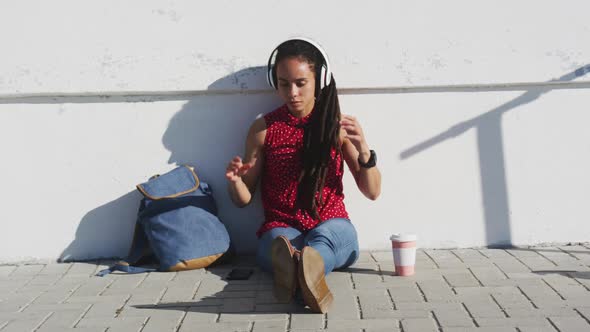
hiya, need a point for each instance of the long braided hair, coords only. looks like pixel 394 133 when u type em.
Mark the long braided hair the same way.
pixel 321 133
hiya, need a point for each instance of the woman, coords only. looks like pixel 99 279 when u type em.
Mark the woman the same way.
pixel 297 152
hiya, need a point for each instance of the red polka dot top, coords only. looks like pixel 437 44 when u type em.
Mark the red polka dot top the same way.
pixel 283 148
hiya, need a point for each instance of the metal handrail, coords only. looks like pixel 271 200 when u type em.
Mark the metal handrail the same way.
pixel 518 86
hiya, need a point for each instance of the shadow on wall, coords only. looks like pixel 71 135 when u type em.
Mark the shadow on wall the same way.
pixel 491 159
pixel 107 227
pixel 207 132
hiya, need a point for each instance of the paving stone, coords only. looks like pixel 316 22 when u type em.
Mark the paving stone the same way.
pixel 363 324
pixel 495 253
pixel 368 280
pixel 489 276
pixel 532 259
pixel 215 327
pixel 557 256
pixel 419 325
pixel 511 265
pixel 98 299
pixel 270 325
pixel 123 283
pixel 146 298
pixel 179 293
pixel 464 279
pixel 210 287
pixel 402 282
pixel 584 311
pixel 6 270
pixel 429 306
pixel 513 322
pixel 478 329
pixel 55 269
pixel 381 329
pixel 244 287
pixel 540 294
pixel 535 312
pixel 238 305
pixel 163 324
pixel 154 311
pixel 436 290
pixel 484 309
pixel 445 258
pixel 250 317
pixel 63 319
pixel 345 306
pixel 104 310
pixel 570 324
pixel 453 317
pixel 93 287
pixel 375 304
pixel 44 280
pixel 307 321
pixel 340 280
pixel 28 323
pixel 421 265
pixel 201 315
pixel 27 270
pixel 409 293
pixel 580 252
pixel 265 297
pixel 81 329
pixel 410 313
pixel 280 308
pixel 114 324
pixel 8 286
pixel 23 316
pixel 51 297
pixel 57 307
pixel 536 329
pixel 88 269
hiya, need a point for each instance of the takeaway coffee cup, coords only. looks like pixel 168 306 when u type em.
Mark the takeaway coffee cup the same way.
pixel 404 253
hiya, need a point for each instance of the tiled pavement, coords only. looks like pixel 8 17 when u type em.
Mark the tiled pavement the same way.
pixel 534 289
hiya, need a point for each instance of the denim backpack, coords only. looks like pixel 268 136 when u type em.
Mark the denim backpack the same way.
pixel 177 222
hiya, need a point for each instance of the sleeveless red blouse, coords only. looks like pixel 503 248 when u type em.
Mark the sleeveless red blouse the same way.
pixel 283 148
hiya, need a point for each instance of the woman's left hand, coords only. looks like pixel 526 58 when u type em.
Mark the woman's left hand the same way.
pixel 354 132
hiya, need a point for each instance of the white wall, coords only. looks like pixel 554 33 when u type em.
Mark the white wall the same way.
pixel 488 163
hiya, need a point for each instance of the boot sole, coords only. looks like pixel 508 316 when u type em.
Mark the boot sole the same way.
pixel 284 274
pixel 315 290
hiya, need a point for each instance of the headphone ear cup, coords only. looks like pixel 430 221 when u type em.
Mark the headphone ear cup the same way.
pixel 323 77
pixel 270 77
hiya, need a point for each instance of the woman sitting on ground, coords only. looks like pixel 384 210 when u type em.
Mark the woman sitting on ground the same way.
pixel 297 151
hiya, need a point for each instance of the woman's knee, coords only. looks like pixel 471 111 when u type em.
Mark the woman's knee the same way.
pixel 340 232
pixel 263 253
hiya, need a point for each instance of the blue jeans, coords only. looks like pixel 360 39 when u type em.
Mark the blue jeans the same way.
pixel 335 240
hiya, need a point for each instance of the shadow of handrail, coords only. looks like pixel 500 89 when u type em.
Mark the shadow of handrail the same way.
pixel 491 157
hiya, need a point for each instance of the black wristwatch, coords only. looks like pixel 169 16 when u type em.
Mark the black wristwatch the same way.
pixel 372 162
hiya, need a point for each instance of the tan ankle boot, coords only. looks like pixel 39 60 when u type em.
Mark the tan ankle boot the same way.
pixel 284 269
pixel 316 293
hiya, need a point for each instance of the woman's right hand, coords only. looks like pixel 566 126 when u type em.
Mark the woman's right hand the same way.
pixel 236 169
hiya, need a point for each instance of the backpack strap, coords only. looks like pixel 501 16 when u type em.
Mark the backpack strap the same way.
pixel 139 248
pixel 124 267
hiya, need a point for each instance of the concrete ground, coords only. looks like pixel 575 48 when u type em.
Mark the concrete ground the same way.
pixel 535 289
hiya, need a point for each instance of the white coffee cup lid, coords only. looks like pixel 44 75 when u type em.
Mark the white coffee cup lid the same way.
pixel 403 237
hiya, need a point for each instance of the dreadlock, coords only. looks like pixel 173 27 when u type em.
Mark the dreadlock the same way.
pixel 321 134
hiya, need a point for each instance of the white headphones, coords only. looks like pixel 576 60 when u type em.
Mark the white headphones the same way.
pixel 325 74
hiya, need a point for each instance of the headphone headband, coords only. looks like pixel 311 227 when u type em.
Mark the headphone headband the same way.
pixel 325 73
